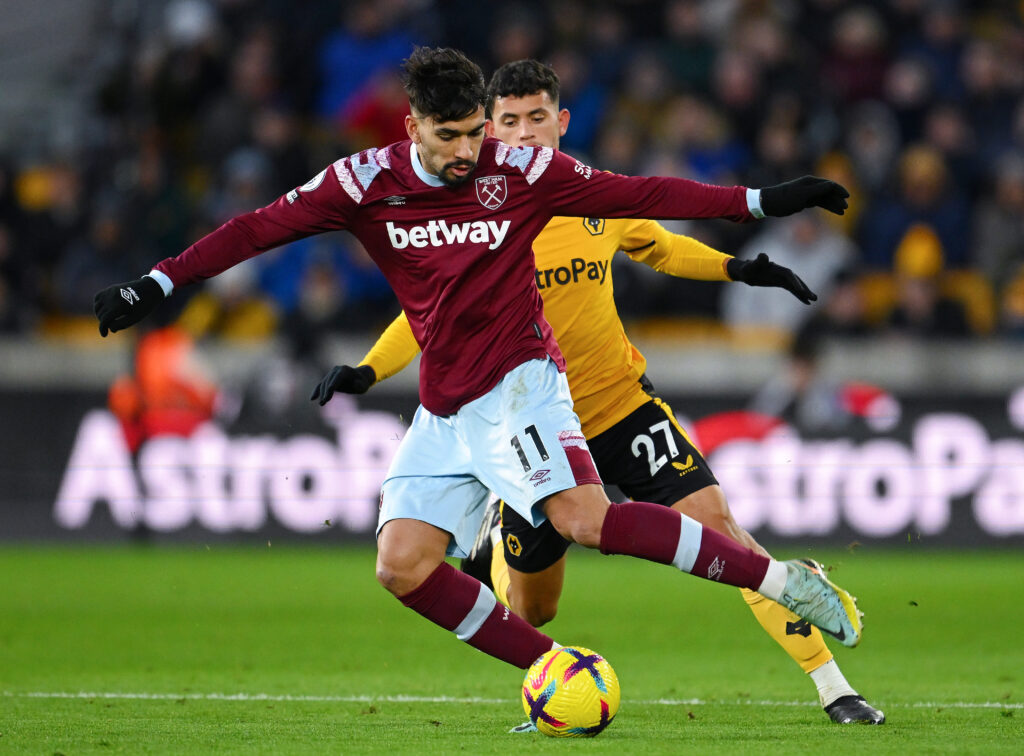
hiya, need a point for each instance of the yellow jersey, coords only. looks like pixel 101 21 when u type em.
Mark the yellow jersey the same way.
pixel 573 259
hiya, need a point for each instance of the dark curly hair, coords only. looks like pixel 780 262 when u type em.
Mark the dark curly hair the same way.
pixel 521 78
pixel 442 83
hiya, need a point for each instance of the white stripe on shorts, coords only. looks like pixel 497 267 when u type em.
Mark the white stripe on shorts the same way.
pixel 477 615
pixel 690 534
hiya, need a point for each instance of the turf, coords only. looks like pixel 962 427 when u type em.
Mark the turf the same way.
pixel 297 650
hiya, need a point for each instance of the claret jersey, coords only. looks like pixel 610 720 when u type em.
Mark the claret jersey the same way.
pixel 458 258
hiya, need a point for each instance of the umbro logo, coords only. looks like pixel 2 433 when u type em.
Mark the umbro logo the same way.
pixel 128 295
pixel 716 568
pixel 539 474
pixel 395 200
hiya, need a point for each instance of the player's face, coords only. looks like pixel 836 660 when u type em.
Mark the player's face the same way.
pixel 447 149
pixel 530 121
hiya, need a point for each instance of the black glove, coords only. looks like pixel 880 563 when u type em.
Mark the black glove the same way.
pixel 802 193
pixel 347 380
pixel 763 272
pixel 123 305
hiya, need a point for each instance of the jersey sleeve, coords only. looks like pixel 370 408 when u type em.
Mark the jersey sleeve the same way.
pixel 394 350
pixel 569 187
pixel 319 205
pixel 651 243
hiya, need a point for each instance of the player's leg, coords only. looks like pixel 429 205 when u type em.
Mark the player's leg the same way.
pixel 533 561
pixel 430 507
pixel 690 487
pixel 798 638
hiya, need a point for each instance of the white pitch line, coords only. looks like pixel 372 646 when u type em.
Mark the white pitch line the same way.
pixel 460 700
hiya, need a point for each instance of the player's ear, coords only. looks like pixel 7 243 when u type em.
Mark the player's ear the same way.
pixel 412 128
pixel 489 127
pixel 563 121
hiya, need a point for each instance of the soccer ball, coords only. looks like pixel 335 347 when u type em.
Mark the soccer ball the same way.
pixel 571 692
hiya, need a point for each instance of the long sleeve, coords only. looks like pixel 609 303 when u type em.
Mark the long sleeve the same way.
pixel 394 350
pixel 571 188
pixel 677 255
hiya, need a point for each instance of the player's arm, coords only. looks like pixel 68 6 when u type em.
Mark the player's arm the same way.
pixel 395 349
pixel 677 255
pixel 569 187
pixel 318 206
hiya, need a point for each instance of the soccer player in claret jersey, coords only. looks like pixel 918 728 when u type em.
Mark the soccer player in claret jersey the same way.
pixel 448 216
pixel 633 435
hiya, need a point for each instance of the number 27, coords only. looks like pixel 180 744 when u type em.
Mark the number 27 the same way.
pixel 643 442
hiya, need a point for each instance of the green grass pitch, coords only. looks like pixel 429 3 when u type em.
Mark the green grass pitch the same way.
pixel 277 649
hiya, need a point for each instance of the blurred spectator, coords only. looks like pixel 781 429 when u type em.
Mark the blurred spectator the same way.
pixel 584 97
pixel 921 308
pixel 810 248
pixel 990 97
pixel 736 86
pixel 157 211
pixel 855 64
pixel 376 114
pixel 105 253
pixel 517 33
pixel 226 121
pixel 277 134
pixel 948 129
pixel 909 91
pixel 934 34
pixel 688 49
pixel 56 217
pixel 925 195
pixel 168 393
pixel 184 70
pixel 872 141
pixel 371 41
pixel 998 249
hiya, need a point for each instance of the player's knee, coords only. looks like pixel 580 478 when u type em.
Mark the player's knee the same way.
pixel 578 514
pixel 389 578
pixel 539 612
pixel 400 573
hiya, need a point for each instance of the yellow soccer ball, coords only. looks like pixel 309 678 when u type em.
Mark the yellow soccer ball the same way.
pixel 571 692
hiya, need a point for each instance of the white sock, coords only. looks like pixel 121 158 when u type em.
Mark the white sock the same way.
pixel 774 582
pixel 831 683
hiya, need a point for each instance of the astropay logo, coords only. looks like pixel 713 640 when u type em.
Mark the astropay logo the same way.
pixel 440 233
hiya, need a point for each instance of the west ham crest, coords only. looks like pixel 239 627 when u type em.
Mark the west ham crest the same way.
pixel 491 191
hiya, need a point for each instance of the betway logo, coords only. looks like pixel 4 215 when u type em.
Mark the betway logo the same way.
pixel 438 233
pixel 577 268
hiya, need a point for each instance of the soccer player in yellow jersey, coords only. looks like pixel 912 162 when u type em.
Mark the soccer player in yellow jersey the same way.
pixel 633 435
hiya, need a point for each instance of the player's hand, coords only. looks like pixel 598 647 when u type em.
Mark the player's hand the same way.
pixel 802 193
pixel 123 305
pixel 346 379
pixel 763 272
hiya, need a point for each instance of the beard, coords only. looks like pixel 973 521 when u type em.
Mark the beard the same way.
pixel 450 179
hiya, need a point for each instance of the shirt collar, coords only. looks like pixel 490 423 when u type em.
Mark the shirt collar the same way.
pixel 427 178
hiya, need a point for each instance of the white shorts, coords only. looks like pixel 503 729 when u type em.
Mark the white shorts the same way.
pixel 520 440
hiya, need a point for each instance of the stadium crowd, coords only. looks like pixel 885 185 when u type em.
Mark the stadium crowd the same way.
pixel 202 109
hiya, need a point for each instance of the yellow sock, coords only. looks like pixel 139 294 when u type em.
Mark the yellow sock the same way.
pixel 801 640
pixel 499 573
